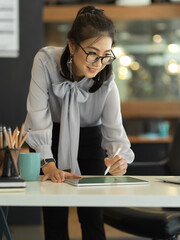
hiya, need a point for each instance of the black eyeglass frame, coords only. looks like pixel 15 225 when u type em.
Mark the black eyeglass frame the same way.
pixel 99 57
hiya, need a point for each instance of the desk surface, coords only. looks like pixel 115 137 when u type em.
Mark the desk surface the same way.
pixel 155 194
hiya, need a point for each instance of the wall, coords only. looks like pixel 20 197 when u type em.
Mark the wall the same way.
pixel 14 83
pixel 15 72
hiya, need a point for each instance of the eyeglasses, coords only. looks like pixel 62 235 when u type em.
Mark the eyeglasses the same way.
pixel 92 57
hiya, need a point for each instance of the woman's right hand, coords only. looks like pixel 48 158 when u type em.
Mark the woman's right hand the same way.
pixel 51 172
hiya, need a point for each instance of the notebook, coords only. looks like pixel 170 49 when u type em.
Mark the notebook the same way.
pixel 170 179
pixel 105 181
pixel 12 183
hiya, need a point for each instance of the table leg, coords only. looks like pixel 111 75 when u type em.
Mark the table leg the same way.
pixel 3 224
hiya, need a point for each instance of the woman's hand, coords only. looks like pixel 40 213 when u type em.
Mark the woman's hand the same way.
pixel 55 175
pixel 118 165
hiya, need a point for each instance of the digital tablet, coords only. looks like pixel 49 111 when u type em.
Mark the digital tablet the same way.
pixel 105 181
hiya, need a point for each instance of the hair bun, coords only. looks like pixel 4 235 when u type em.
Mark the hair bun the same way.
pixel 90 9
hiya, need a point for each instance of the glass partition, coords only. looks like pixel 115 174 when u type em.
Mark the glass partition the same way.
pixel 148 57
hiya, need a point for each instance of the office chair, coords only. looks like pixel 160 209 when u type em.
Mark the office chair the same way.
pixel 168 166
pixel 154 223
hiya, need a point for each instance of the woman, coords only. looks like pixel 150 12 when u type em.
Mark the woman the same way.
pixel 74 114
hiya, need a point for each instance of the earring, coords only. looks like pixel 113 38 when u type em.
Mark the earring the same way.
pixel 70 65
pixel 99 75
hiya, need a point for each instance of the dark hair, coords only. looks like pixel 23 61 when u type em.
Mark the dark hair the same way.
pixel 89 22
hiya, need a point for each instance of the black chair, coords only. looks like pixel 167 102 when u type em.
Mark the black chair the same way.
pixel 154 223
pixel 168 166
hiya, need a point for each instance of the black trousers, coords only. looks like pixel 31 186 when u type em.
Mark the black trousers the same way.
pixel 91 162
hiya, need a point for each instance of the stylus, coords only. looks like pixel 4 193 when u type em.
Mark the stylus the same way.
pixel 107 169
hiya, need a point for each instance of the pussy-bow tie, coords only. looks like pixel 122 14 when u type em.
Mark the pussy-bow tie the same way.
pixel 71 94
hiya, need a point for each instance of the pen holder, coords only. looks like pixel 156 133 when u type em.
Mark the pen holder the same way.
pixel 2 156
pixel 10 159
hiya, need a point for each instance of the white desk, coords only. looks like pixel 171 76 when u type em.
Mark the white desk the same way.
pixel 155 194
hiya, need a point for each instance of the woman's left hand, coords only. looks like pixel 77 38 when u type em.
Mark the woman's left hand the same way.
pixel 118 165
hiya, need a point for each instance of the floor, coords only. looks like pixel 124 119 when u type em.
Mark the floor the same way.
pixel 35 232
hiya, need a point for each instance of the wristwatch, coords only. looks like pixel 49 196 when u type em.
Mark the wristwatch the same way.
pixel 46 161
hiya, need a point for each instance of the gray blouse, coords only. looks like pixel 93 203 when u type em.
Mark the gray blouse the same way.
pixel 52 98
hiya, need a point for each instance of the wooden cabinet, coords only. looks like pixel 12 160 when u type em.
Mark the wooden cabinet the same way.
pixel 64 13
pixel 152 109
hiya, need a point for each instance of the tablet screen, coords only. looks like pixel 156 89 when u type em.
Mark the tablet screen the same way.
pixel 105 180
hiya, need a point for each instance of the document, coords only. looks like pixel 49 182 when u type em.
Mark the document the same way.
pixel 9 28
pixel 173 179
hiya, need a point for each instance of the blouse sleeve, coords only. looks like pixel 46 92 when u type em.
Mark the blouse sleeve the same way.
pixel 38 112
pixel 114 135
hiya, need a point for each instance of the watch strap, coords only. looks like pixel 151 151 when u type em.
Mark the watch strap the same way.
pixel 45 161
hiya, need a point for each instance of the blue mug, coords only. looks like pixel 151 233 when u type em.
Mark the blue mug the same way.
pixel 29 165
pixel 163 128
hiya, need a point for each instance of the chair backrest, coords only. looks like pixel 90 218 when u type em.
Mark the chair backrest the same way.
pixel 173 164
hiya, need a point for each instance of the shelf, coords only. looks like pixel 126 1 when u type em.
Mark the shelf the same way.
pixel 66 13
pixel 139 139
pixel 150 109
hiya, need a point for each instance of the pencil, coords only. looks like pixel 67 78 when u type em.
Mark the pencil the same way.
pixel 21 134
pixel 16 140
pixel 24 138
pixel 14 134
pixel 1 137
pixel 6 137
pixel 10 137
